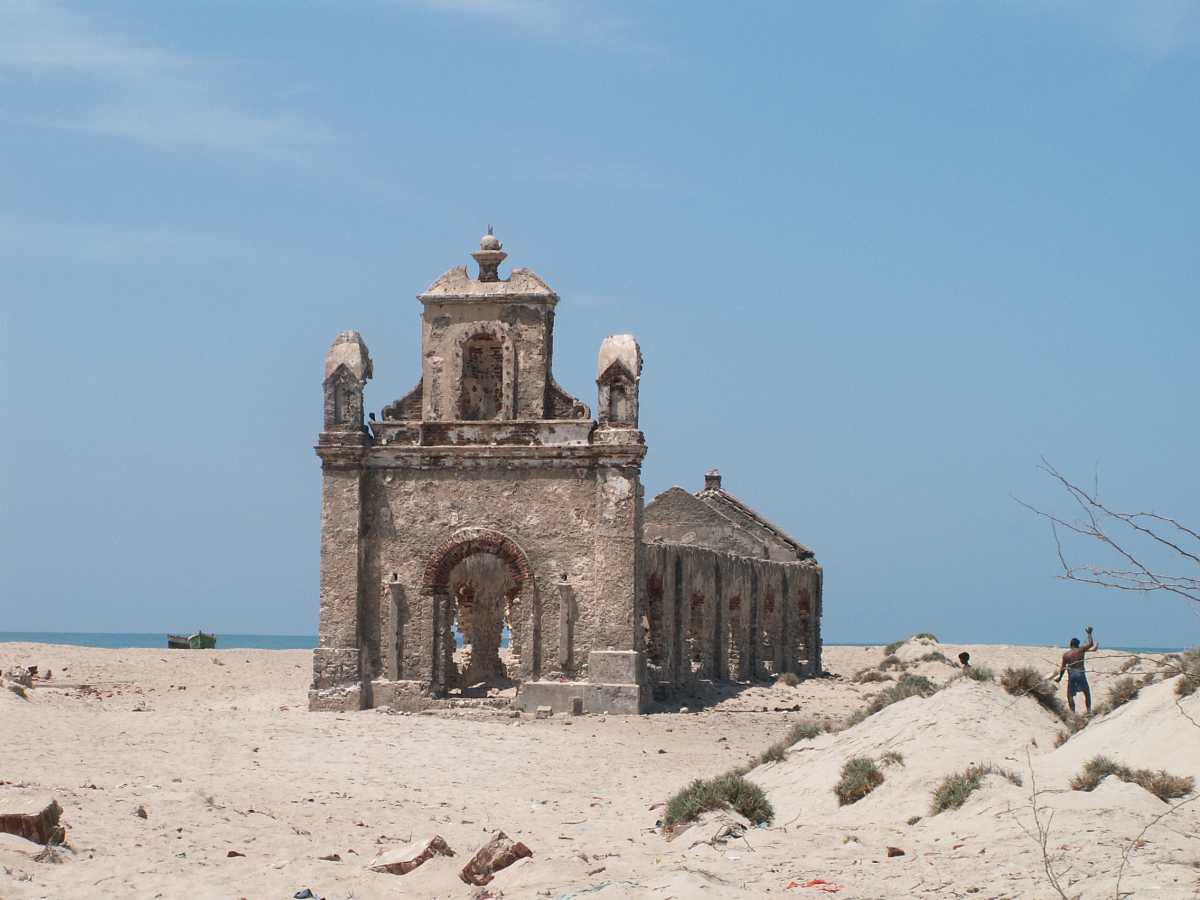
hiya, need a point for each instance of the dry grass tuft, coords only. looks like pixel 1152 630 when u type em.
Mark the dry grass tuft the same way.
pixel 937 656
pixel 1162 785
pixel 777 752
pixel 926 635
pixel 1189 666
pixel 860 776
pixel 1129 664
pixel 1074 726
pixel 892 647
pixel 907 686
pixel 729 790
pixel 866 676
pixel 979 673
pixel 1122 691
pixel 791 679
pixel 892 758
pixel 1028 681
pixel 956 788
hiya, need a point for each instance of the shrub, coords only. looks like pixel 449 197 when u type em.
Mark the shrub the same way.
pixel 866 676
pixel 955 789
pixel 1161 784
pixel 1122 691
pixel 791 679
pixel 1189 666
pixel 927 636
pixel 891 661
pixel 1074 726
pixel 892 647
pixel 913 820
pixel 1129 664
pixel 907 686
pixel 777 752
pixel 1028 681
pixel 979 673
pixel 892 758
pixel 936 656
pixel 805 731
pixel 1096 770
pixel 860 776
pixel 728 790
pixel 1149 678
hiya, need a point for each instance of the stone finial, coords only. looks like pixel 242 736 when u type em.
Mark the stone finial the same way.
pixel 347 368
pixel 489 256
pixel 712 480
pixel 622 348
pixel 618 373
pixel 349 350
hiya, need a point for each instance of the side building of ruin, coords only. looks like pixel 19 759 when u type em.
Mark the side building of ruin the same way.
pixel 488 501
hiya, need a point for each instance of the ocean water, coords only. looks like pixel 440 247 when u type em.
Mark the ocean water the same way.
pixel 158 640
pixel 307 641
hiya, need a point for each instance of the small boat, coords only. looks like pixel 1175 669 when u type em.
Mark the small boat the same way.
pixel 197 641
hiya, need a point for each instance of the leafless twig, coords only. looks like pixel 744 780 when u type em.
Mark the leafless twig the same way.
pixel 1042 837
pixel 1136 842
pixel 1104 524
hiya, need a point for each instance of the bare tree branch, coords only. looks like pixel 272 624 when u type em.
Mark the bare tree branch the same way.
pixel 1103 524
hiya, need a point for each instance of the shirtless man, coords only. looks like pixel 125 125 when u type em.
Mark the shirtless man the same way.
pixel 1072 664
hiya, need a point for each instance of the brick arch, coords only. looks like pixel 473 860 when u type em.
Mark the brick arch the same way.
pixel 469 542
pixel 524 625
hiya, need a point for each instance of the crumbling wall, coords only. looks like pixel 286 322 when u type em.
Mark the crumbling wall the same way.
pixel 574 527
pixel 724 617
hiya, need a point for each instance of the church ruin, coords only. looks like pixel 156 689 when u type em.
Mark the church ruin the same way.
pixel 487 502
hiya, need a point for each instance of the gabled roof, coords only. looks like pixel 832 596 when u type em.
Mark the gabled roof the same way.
pixel 738 512
pixel 716 519
pixel 456 284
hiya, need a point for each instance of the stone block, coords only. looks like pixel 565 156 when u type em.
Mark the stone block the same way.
pixel 560 696
pixel 545 712
pixel 577 706
pixel 616 667
pixel 399 696
pixel 333 666
pixel 347 698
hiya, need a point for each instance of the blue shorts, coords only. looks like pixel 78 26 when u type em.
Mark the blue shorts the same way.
pixel 1077 683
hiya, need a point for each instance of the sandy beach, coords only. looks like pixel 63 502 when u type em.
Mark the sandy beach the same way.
pixel 220 751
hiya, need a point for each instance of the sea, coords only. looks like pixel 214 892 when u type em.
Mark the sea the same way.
pixel 158 640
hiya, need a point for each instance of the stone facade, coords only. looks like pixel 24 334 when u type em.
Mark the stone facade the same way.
pixel 488 497
pixel 726 595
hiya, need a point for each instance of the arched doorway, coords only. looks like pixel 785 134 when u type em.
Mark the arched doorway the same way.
pixel 480 580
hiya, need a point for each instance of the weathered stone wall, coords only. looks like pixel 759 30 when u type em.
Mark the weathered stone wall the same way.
pixel 520 332
pixel 574 526
pixel 715 615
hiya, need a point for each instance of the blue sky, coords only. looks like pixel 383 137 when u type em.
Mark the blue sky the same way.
pixel 880 259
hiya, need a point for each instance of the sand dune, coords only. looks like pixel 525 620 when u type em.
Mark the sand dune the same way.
pixel 218 747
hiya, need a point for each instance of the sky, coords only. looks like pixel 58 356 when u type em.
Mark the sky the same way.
pixel 881 260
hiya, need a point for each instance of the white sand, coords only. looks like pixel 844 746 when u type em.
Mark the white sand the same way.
pixel 236 762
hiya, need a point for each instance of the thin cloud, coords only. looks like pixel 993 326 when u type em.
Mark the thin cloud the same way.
pixel 1153 28
pixel 548 21
pixel 37 35
pixel 121 86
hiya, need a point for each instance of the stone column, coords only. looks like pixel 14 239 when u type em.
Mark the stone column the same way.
pixel 337 668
